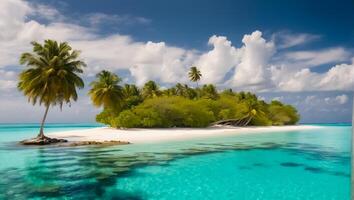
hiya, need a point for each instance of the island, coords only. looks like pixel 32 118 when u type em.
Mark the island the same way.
pixel 52 76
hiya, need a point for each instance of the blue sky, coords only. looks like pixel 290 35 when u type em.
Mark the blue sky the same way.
pixel 300 52
pixel 190 23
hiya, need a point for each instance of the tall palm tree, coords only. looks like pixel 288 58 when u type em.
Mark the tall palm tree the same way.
pixel 52 75
pixel 106 92
pixel 150 89
pixel 194 74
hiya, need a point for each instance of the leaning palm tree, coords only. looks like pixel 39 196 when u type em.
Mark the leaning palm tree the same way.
pixel 254 109
pixel 194 74
pixel 51 78
pixel 106 92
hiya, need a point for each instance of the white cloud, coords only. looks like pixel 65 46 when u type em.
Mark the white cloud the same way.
pixel 7 80
pixel 315 58
pixel 251 66
pixel 286 39
pixel 13 14
pixel 321 101
pixel 252 72
pixel 96 19
pixel 278 98
pixel 342 99
pixel 46 12
pixel 216 63
pixel 151 60
pixel 157 61
pixel 339 77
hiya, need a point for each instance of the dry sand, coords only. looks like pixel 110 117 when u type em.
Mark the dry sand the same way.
pixel 166 134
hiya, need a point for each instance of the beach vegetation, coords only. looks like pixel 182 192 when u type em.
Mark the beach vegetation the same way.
pixel 182 106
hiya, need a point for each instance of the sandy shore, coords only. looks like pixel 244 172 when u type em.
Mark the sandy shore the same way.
pixel 168 134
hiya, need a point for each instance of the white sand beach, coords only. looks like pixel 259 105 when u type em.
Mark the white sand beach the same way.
pixel 166 134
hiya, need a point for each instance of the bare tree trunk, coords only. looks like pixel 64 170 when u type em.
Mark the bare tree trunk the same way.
pixel 352 156
pixel 41 133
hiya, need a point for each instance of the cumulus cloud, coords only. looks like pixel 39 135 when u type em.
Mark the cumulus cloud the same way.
pixel 150 60
pixel 339 77
pixel 216 63
pixel 252 72
pixel 250 66
pixel 340 99
pixel 326 100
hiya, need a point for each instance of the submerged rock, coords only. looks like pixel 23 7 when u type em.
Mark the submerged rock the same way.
pixel 42 141
pixel 111 142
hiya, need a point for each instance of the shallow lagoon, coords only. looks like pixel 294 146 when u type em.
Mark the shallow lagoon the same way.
pixel 311 164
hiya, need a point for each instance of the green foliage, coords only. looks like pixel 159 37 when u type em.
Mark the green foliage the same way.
pixel 52 75
pixel 182 106
pixel 132 96
pixel 281 114
pixel 166 112
pixel 106 92
pixel 150 90
pixel 194 74
pixel 209 92
pixel 126 119
pixel 105 117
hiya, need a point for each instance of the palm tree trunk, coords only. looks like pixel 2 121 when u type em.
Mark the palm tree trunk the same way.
pixel 352 154
pixel 248 121
pixel 41 133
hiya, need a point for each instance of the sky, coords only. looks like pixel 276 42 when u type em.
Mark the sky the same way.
pixel 297 51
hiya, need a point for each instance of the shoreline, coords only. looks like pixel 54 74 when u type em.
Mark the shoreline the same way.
pixel 156 135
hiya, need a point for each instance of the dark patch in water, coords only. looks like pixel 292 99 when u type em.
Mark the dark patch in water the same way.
pixel 341 174
pixel 315 169
pixel 290 164
pixel 259 165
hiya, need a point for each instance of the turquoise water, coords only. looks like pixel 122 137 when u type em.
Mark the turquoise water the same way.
pixel 311 164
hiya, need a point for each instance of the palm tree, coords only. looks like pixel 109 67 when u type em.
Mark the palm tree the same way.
pixel 180 89
pixel 254 109
pixel 150 89
pixel 209 92
pixel 52 76
pixel 194 74
pixel 106 92
pixel 132 96
pixel 130 90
